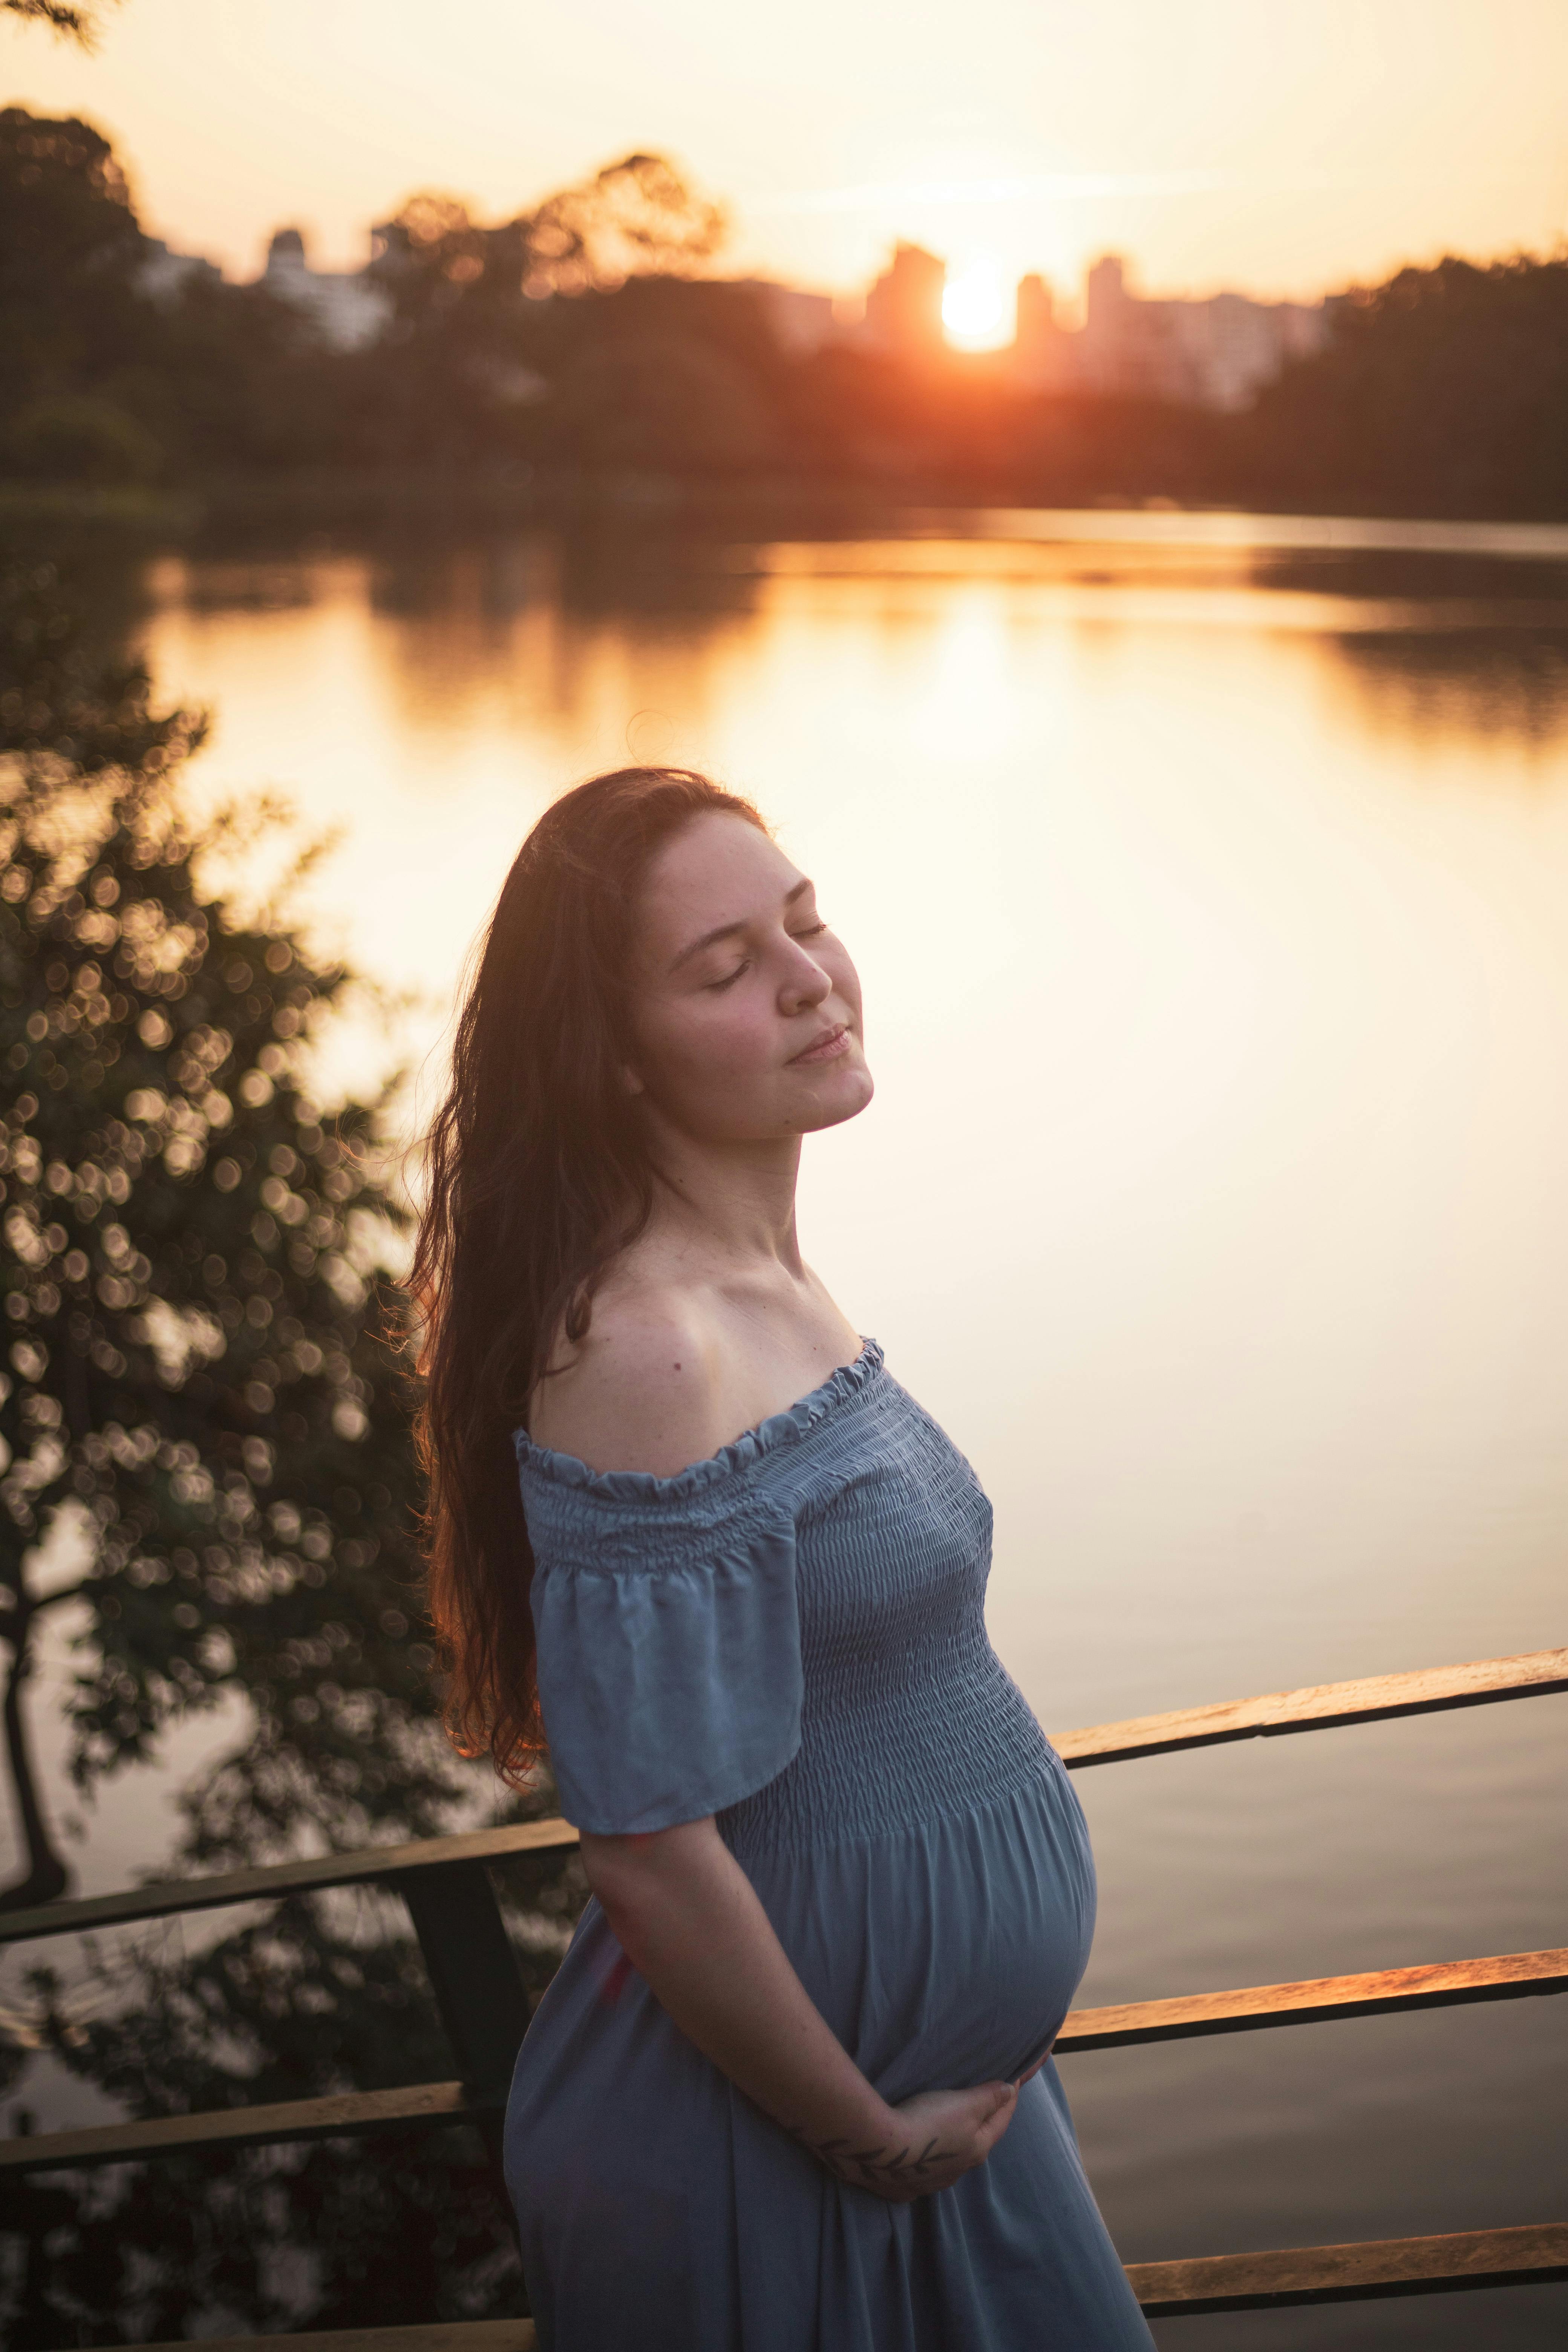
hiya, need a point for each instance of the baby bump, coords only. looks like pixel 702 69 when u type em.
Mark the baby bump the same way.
pixel 947 1952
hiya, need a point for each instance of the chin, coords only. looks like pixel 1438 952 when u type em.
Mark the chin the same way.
pixel 845 1099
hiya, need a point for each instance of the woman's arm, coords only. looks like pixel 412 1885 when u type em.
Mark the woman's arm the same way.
pixel 650 1390
pixel 688 1919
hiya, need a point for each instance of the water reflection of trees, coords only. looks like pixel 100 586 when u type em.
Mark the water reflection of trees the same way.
pixel 320 1996
pixel 1472 647
pixel 605 565
pixel 1413 576
pixel 1463 685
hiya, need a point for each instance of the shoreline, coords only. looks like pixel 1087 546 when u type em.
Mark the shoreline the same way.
pixel 782 508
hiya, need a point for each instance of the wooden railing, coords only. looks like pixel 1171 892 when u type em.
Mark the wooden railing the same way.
pixel 478 1988
pixel 1367 2273
pixel 1434 1690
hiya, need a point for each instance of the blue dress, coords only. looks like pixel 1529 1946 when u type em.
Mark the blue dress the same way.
pixel 791 1636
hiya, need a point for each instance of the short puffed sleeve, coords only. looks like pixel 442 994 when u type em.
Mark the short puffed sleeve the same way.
pixel 669 1639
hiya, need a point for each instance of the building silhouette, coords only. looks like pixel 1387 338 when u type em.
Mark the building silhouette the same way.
pixel 346 307
pixel 903 308
pixel 1216 352
pixel 801 322
pixel 165 275
pixel 1043 358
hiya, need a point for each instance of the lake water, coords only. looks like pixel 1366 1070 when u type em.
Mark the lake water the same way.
pixel 1208 880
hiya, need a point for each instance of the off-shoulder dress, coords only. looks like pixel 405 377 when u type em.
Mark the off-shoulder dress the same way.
pixel 791 1636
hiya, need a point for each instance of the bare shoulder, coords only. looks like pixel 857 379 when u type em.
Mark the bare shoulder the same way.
pixel 641 1391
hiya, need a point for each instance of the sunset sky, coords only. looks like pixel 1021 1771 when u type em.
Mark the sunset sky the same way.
pixel 1260 143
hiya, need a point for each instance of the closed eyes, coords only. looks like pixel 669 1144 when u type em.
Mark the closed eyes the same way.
pixel 717 987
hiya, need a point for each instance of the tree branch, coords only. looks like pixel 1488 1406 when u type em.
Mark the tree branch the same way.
pixel 76 22
pixel 36 1607
pixel 47 1875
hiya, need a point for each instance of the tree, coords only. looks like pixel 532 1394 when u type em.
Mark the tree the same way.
pixel 470 325
pixel 1444 391
pixel 634 218
pixel 69 305
pixel 207 1404
pixel 110 370
pixel 201 1410
pixel 79 24
pixel 665 374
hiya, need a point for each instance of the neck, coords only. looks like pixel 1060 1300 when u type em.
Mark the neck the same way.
pixel 733 1200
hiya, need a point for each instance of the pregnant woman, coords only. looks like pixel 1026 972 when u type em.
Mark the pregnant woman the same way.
pixel 789 2091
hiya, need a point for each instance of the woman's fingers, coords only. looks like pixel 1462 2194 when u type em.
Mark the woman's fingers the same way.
pixel 960 2128
pixel 1004 2099
pixel 1030 2072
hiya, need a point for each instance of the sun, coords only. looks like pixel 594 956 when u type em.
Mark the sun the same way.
pixel 978 305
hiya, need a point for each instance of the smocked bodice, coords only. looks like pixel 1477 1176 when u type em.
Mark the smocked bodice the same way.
pixel 790 1634
pixel 791 1637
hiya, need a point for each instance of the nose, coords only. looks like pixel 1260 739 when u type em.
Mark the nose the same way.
pixel 804 984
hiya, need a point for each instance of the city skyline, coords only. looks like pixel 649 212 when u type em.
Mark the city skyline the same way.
pixel 1216 352
pixel 1287 157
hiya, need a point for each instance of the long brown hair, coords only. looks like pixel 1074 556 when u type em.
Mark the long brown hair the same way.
pixel 538 1175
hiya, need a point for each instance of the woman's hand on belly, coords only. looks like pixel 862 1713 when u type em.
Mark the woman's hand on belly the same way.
pixel 690 1922
pixel 938 2136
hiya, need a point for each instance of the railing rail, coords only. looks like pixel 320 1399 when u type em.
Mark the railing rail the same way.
pixel 435 2335
pixel 1368 2271
pixel 343 2115
pixel 367 1865
pixel 429 2105
pixel 1445 1984
pixel 477 1985
pixel 1321 1707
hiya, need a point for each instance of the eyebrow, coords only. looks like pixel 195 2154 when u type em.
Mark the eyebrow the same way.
pixel 728 930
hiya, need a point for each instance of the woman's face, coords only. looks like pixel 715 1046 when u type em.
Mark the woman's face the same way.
pixel 745 1008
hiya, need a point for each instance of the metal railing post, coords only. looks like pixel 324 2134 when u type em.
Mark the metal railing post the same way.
pixel 474 1974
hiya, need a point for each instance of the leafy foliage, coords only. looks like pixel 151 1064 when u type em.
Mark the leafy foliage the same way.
pixel 67 259
pixel 205 1397
pixel 109 372
pixel 195 1294
pixel 634 217
pixel 63 697
pixel 474 319
pixel 1444 391
pixel 80 24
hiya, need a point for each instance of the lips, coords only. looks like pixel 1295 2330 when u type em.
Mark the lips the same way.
pixel 826 1048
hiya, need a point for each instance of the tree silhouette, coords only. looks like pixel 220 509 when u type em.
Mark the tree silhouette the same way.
pixel 69 307
pixel 207 1424
pixel 470 328
pixel 79 24
pixel 634 217
pixel 201 1414
pixel 1443 391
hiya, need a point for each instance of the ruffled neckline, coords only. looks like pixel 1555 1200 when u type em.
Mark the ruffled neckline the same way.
pixel 780 1429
